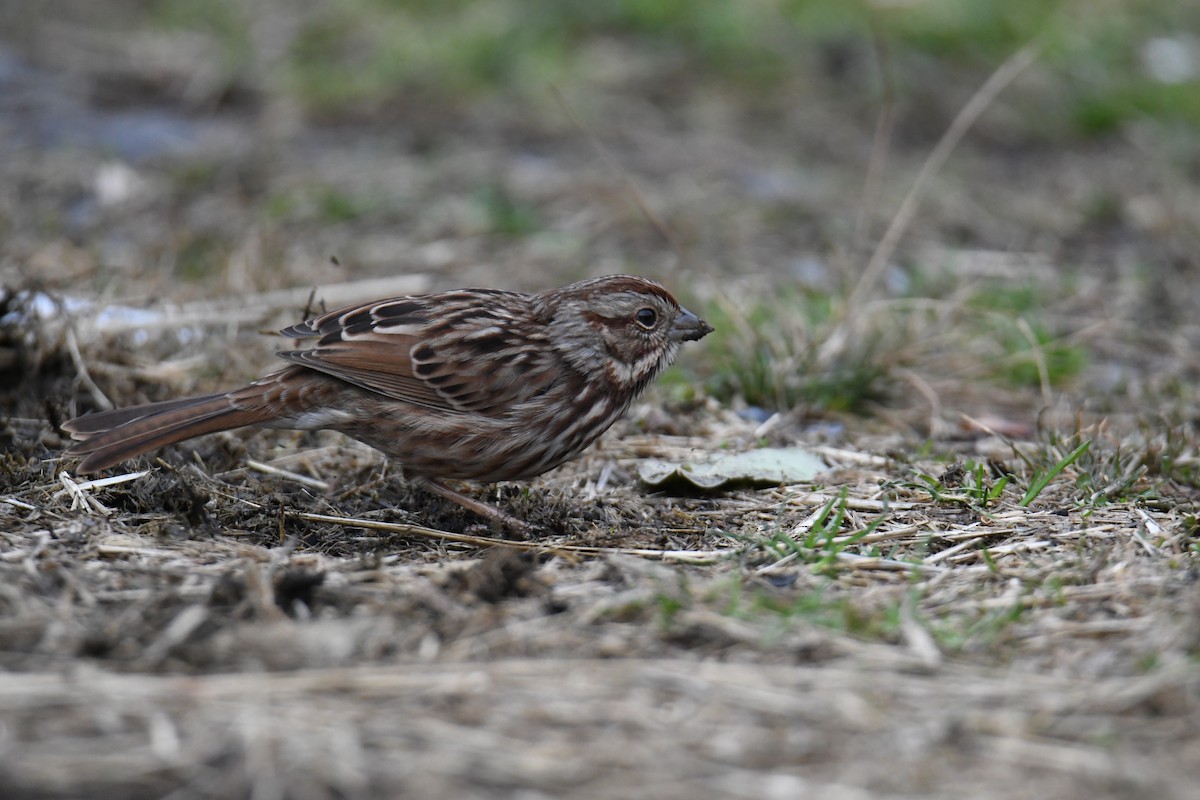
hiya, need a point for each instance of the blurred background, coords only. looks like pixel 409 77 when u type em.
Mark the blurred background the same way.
pixel 751 155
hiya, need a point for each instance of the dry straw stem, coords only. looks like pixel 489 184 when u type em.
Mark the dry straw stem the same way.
pixel 880 143
pixel 996 83
pixel 98 395
pixel 690 556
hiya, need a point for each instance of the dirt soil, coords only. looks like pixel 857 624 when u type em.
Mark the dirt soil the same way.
pixel 276 614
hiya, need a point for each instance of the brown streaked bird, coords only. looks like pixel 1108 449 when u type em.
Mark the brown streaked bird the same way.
pixel 472 384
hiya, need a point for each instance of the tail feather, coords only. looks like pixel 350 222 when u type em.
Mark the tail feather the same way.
pixel 90 424
pixel 110 437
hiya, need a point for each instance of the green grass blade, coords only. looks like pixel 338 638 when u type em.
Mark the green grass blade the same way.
pixel 1040 482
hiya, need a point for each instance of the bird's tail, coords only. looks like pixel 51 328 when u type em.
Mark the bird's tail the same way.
pixel 110 437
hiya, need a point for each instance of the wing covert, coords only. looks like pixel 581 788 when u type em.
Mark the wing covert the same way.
pixel 477 351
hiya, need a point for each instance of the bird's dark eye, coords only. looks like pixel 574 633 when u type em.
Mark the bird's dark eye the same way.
pixel 647 318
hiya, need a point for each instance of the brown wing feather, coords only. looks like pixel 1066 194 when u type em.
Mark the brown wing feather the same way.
pixel 486 365
pixel 432 351
pixel 383 367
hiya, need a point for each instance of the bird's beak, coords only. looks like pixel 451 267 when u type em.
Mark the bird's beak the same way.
pixel 687 327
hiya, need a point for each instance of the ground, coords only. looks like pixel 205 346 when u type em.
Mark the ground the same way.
pixel 992 591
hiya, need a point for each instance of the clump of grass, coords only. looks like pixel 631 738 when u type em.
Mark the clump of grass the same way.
pixel 1038 356
pixel 971 483
pixel 1102 470
pixel 1173 451
pixel 819 606
pixel 771 356
pixel 830 352
pixel 982 630
pixel 1050 468
pixel 1026 351
pixel 773 610
pixel 820 541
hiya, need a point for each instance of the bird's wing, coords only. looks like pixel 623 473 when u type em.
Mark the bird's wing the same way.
pixel 477 350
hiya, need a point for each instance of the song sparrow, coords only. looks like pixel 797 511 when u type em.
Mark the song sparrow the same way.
pixel 473 384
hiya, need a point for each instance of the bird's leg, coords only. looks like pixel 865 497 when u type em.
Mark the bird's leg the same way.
pixel 485 510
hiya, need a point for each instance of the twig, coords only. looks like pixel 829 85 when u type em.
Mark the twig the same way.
pixel 18 503
pixel 82 371
pixel 1039 359
pixel 856 561
pixel 852 503
pixel 79 498
pixel 312 483
pixel 79 491
pixel 693 556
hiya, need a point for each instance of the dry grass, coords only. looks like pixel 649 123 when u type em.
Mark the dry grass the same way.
pixel 188 632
